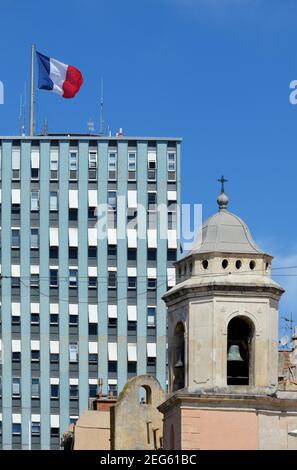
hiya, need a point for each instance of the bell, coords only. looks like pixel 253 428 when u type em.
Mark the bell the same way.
pixel 179 362
pixel 234 353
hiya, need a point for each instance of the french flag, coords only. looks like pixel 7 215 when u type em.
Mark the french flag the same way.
pixel 60 78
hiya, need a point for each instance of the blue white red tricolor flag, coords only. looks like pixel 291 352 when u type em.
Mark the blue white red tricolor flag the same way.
pixel 60 78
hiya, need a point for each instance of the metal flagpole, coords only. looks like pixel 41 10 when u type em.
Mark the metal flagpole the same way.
pixel 32 102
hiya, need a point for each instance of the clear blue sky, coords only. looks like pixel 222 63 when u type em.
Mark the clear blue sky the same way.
pixel 215 72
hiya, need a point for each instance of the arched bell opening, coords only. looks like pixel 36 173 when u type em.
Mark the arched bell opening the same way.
pixel 179 357
pixel 240 352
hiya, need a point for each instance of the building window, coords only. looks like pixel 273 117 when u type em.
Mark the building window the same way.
pixel 73 320
pixel 15 238
pixel 172 220
pixel 171 161
pixel 93 358
pixel 34 318
pixel 73 353
pixel 55 391
pixel 54 277
pixel 16 356
pixel 151 316
pixel 112 161
pixel 92 160
pixel 132 282
pixel 34 238
pixel 35 428
pixel 16 387
pixel 35 164
pixel 152 165
pixel 92 282
pixel 132 166
pixel 35 356
pixel 34 280
pixel 16 429
pixel 73 160
pixel 35 388
pixel 16 163
pixel 54 358
pixel 152 254
pixel 92 390
pixel 112 279
pixel 113 390
pixel 15 281
pixel 152 201
pixel 54 319
pixel 55 432
pixel 34 200
pixel 53 201
pixel 73 391
pixel 72 277
pixel 54 166
pixel 151 283
pixel 15 320
pixel 112 200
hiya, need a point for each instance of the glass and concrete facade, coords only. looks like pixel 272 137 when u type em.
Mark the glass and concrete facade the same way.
pixel 76 305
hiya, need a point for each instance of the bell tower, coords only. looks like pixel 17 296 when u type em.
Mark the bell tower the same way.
pixel 223 311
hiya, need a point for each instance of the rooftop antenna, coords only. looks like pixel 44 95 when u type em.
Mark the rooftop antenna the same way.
pixel 101 118
pixel 22 115
pixel 91 126
pixel 45 127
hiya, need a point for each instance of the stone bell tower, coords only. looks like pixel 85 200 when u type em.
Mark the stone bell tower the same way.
pixel 223 311
pixel 223 345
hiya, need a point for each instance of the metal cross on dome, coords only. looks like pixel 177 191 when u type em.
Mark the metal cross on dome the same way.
pixel 222 180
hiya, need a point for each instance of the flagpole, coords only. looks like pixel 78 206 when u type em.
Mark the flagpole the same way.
pixel 32 101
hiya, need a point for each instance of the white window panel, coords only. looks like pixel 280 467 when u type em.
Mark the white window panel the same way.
pixel 73 309
pixel 35 159
pixel 112 268
pixel 132 352
pixel 132 313
pixel 35 345
pixel 34 269
pixel 171 236
pixel 54 347
pixel 171 196
pixel 132 238
pixel 54 308
pixel 16 418
pixel 16 345
pixel 92 271
pixel 112 351
pixel 93 198
pixel 112 382
pixel 132 199
pixel 112 236
pixel 151 350
pixel 152 273
pixel 55 421
pixel 16 159
pixel 55 381
pixel 73 199
pixel 93 347
pixel 93 314
pixel 171 277
pixel 73 236
pixel 54 236
pixel 15 196
pixel 152 238
pixel 16 309
pixel 151 156
pixel 132 272
pixel 35 418
pixel 15 270
pixel 93 381
pixel 112 311
pixel 73 381
pixel 35 307
pixel 92 236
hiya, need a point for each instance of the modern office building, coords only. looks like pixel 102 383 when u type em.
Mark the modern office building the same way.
pixel 75 305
